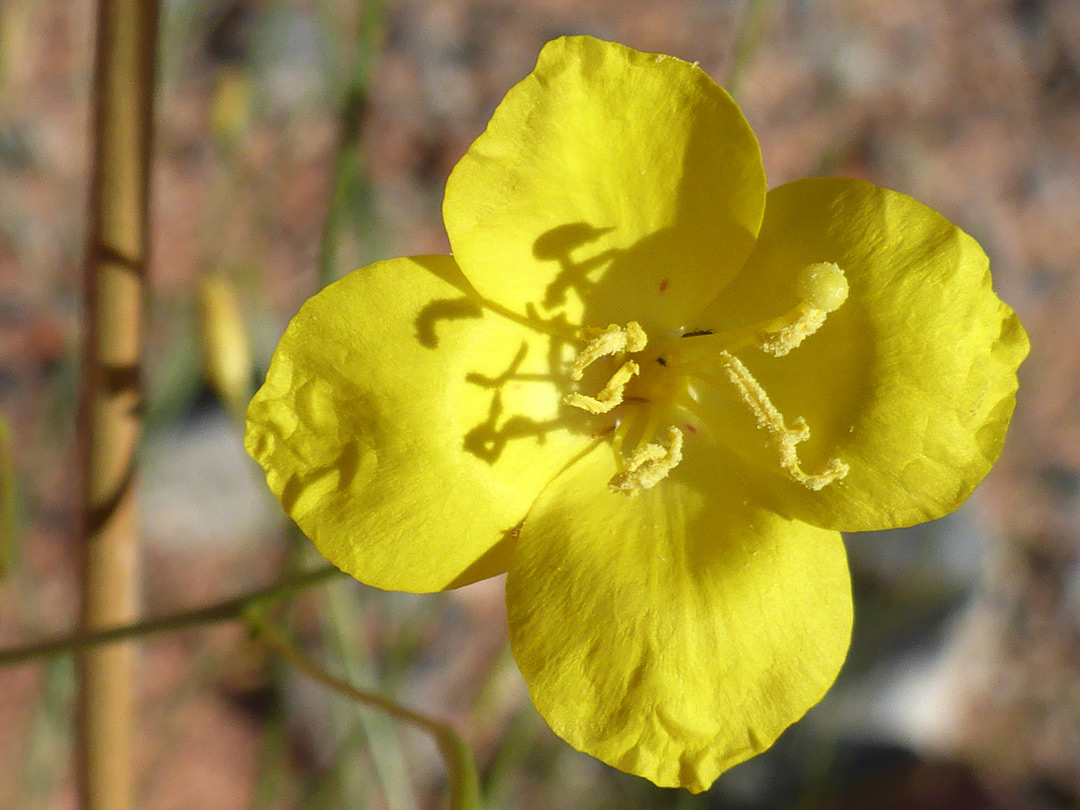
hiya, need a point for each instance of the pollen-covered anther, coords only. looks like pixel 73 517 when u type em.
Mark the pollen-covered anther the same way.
pixel 610 396
pixel 613 340
pixel 785 437
pixel 648 465
pixel 822 288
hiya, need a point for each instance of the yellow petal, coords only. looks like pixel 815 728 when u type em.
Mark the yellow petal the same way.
pixel 406 429
pixel 911 382
pixel 610 184
pixel 678 633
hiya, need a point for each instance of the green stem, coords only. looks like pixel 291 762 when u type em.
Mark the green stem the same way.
pixel 275 783
pixel 7 500
pixel 515 743
pixel 228 610
pixel 48 747
pixel 388 762
pixel 747 42
pixel 465 791
pixel 348 162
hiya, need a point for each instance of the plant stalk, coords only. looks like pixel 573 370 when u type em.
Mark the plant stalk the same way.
pixel 110 398
pixel 228 610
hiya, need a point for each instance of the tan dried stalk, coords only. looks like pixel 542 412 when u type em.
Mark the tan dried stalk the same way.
pixel 110 398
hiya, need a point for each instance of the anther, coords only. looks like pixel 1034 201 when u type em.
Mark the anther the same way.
pixel 612 340
pixel 649 465
pixel 785 437
pixel 610 396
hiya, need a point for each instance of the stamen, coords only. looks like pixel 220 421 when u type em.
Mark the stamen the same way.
pixel 822 288
pixel 612 340
pixel 651 461
pixel 610 396
pixel 648 465
pixel 785 437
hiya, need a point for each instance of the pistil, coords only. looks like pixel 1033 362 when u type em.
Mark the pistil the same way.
pixel 821 288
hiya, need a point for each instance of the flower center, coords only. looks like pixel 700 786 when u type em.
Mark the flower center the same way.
pixel 642 401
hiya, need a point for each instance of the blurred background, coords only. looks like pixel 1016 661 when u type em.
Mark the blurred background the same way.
pixel 298 140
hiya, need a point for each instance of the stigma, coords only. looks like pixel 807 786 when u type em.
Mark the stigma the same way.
pixel 822 288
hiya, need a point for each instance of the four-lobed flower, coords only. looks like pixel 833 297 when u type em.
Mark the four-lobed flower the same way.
pixel 651 392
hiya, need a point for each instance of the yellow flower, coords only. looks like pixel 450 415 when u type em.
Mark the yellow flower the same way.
pixel 653 394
